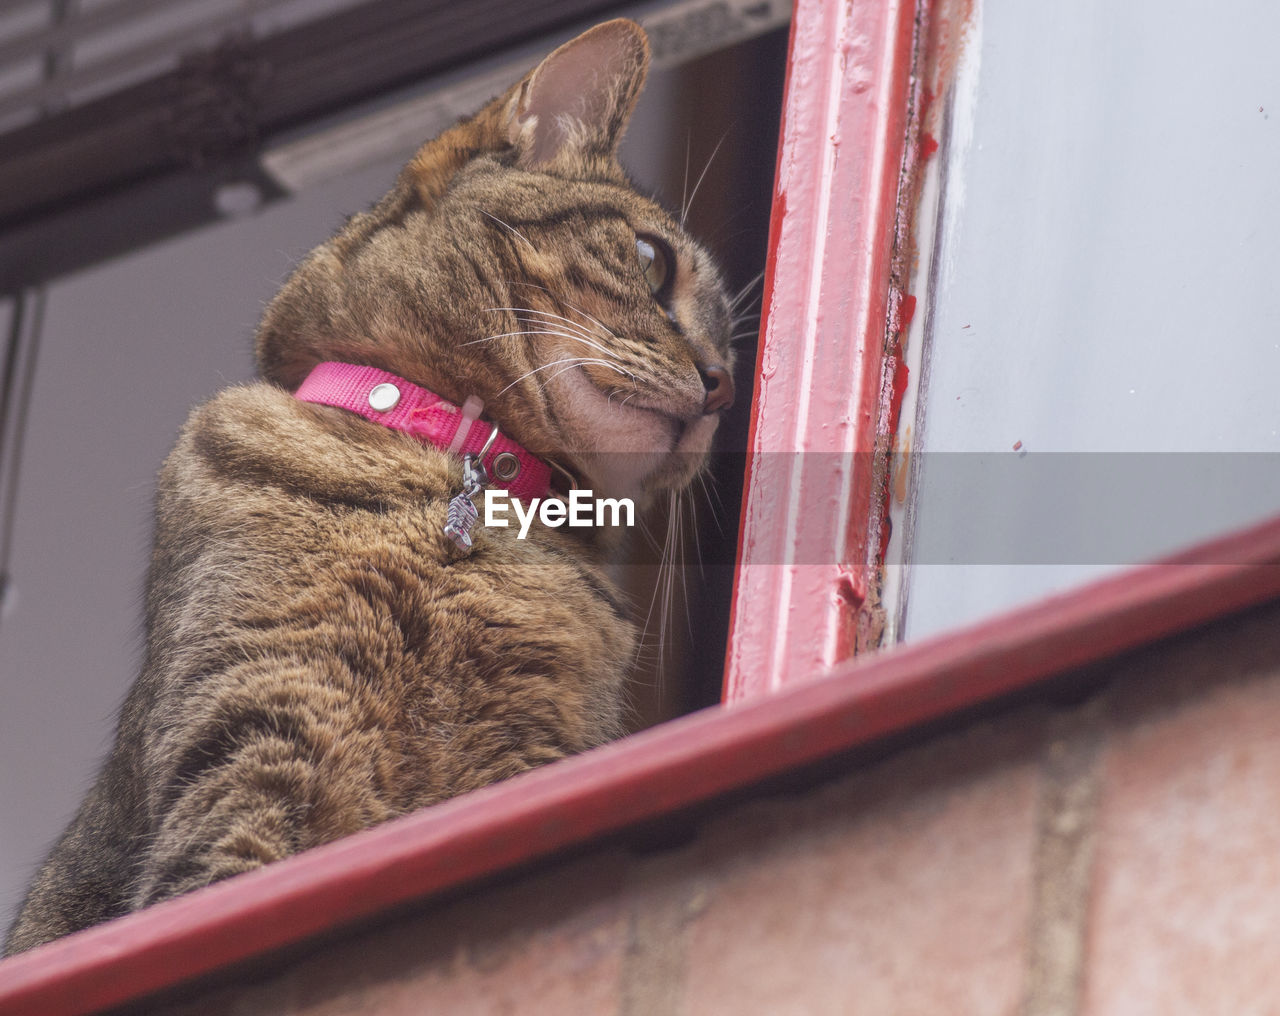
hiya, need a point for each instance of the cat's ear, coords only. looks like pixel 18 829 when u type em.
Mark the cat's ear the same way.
pixel 578 100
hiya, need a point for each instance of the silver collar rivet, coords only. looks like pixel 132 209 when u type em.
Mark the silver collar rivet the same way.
pixel 384 397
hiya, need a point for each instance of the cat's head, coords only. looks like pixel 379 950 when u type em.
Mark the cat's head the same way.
pixel 514 261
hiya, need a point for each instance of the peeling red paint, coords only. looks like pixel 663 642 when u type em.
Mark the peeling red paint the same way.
pixel 949 26
pixel 944 26
pixel 908 312
pixel 851 587
pixel 886 528
pixel 926 95
pixel 901 375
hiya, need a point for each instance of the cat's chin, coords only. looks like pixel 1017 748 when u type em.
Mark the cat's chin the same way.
pixel 686 458
pixel 628 450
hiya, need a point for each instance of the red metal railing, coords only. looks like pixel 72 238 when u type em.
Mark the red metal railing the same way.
pixel 662 770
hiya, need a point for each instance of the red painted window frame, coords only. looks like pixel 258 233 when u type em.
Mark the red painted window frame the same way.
pixel 807 552
pixel 788 638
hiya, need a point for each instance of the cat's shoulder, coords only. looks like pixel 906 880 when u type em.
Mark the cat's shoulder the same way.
pixel 259 433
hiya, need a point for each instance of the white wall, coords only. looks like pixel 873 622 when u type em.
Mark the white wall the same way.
pixel 1104 297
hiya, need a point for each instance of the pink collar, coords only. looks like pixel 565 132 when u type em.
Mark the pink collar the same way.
pixel 401 405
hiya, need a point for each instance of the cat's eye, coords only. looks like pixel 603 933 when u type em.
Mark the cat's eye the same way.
pixel 655 261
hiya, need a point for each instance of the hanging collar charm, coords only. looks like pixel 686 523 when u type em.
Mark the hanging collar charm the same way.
pixel 463 513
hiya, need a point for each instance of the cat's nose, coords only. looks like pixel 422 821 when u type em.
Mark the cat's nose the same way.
pixel 719 385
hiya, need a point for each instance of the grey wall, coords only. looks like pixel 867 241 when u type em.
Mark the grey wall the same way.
pixel 126 349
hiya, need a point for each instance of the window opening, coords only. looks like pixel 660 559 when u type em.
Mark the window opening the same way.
pixel 96 546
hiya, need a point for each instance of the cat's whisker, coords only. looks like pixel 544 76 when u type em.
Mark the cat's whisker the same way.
pixel 590 317
pixel 707 492
pixel 660 600
pixel 523 333
pixel 572 361
pixel 684 185
pixel 684 211
pixel 612 363
pixel 746 291
pixel 647 533
pixel 643 643
pixel 577 310
pixel 571 332
pixel 562 334
pixel 658 607
pixel 697 553
pixel 553 319
pixel 569 322
pixel 668 565
pixel 573 365
pixel 574 326
pixel 675 554
pixel 579 332
pixel 508 226
pixel 692 527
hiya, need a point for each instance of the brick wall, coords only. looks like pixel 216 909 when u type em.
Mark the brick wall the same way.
pixel 1117 856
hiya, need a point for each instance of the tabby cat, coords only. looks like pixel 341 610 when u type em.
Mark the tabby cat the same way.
pixel 321 656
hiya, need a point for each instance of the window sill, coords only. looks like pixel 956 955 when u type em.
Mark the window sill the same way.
pixel 665 770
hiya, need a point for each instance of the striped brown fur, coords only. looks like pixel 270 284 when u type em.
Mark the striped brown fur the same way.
pixel 320 657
